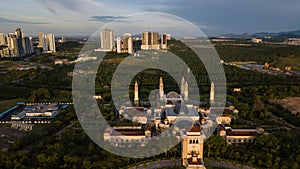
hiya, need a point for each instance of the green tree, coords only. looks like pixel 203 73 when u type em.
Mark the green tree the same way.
pixel 40 95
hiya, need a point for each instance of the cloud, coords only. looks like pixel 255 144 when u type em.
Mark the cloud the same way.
pixel 6 20
pixel 106 18
pixel 56 6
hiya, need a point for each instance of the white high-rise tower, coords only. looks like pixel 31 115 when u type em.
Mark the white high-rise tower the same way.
pixel 107 40
pixel 48 43
pixel 51 40
pixel 130 45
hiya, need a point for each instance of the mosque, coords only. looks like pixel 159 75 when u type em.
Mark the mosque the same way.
pixel 171 108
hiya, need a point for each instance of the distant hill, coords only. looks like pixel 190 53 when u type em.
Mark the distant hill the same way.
pixel 279 35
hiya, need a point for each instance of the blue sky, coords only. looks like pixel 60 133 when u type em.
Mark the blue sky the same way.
pixel 213 17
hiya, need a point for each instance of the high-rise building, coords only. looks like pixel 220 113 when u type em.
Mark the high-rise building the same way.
pixel 48 43
pixel 130 45
pixel 25 43
pixel 45 42
pixel 12 46
pixel 31 46
pixel 40 45
pixel 164 39
pixel 19 40
pixel 28 45
pixel 10 43
pixel 17 44
pixel 125 40
pixel 119 45
pixel 51 40
pixel 150 40
pixel 125 45
pixel 145 40
pixel 106 40
pixel 2 39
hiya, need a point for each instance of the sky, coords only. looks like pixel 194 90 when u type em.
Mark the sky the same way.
pixel 213 17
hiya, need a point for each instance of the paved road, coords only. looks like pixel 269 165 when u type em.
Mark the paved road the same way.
pixel 177 162
pixel 282 121
pixel 159 164
pixel 59 133
pixel 228 165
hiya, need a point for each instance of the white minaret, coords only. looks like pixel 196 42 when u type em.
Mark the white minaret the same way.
pixel 182 86
pixel 212 92
pixel 186 92
pixel 161 89
pixel 136 94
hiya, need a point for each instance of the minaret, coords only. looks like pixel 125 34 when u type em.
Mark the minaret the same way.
pixel 212 92
pixel 136 94
pixel 186 92
pixel 182 86
pixel 161 89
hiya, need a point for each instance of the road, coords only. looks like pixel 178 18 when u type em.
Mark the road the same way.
pixel 177 163
pixel 283 122
pixel 57 132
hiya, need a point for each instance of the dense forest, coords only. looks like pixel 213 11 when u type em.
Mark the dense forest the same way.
pixel 41 148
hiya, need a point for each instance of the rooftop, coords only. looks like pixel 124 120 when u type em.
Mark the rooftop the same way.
pixel 198 161
pixel 241 132
pixel 193 129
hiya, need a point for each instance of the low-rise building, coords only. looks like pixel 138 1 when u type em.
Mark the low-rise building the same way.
pixel 256 40
pixel 126 135
pixel 223 119
pixel 237 89
pixel 237 136
pixel 293 41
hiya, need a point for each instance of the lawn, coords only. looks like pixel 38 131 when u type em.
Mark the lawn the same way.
pixel 293 62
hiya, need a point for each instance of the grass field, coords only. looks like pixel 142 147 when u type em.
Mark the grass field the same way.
pixel 6 104
pixel 293 62
pixel 290 103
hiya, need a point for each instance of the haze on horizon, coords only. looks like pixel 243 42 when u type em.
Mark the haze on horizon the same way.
pixel 213 17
